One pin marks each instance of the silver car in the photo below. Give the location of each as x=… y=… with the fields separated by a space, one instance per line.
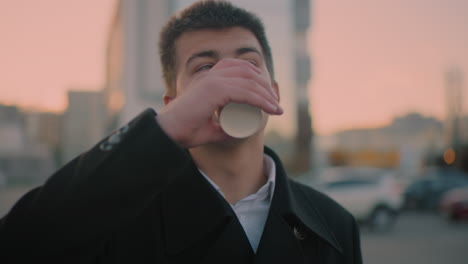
x=372 y=195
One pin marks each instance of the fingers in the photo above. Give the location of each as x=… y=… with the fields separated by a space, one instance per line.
x=244 y=69
x=243 y=82
x=228 y=62
x=246 y=73
x=247 y=91
x=230 y=80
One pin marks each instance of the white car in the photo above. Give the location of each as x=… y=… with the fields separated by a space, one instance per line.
x=373 y=196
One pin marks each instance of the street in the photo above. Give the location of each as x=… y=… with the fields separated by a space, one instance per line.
x=418 y=238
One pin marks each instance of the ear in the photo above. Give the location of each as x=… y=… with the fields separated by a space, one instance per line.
x=275 y=86
x=167 y=98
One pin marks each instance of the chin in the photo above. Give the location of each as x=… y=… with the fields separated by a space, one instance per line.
x=233 y=142
x=236 y=142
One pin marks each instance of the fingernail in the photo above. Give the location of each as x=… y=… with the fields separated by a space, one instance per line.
x=272 y=107
x=280 y=110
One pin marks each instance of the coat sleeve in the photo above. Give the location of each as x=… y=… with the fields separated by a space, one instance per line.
x=96 y=192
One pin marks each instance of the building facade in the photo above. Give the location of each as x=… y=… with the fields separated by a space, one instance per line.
x=26 y=152
x=84 y=122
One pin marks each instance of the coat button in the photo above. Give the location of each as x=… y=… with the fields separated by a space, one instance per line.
x=105 y=146
x=299 y=235
x=115 y=138
x=124 y=129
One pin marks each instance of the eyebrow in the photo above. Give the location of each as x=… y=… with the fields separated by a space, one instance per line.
x=203 y=54
x=215 y=55
x=244 y=50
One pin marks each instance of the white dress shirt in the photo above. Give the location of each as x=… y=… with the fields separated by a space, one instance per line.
x=252 y=211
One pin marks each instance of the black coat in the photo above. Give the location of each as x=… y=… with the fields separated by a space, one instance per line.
x=137 y=197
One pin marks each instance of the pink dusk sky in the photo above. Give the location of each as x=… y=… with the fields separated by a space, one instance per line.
x=372 y=59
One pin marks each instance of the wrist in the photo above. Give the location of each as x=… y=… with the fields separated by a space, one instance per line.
x=170 y=128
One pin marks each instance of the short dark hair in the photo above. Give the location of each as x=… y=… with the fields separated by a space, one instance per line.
x=207 y=15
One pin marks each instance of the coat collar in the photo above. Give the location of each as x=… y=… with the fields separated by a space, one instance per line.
x=193 y=209
x=294 y=205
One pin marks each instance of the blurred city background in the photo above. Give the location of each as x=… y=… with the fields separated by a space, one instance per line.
x=374 y=94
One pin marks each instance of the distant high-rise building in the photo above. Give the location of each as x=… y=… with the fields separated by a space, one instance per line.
x=304 y=148
x=44 y=129
x=84 y=122
x=454 y=100
x=134 y=79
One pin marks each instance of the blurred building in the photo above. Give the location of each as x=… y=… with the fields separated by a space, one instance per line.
x=134 y=72
x=44 y=130
x=304 y=148
x=12 y=134
x=134 y=79
x=85 y=122
x=402 y=144
x=24 y=158
x=464 y=125
x=454 y=132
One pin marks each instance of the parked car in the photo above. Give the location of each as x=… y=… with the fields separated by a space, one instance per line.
x=454 y=204
x=426 y=193
x=373 y=196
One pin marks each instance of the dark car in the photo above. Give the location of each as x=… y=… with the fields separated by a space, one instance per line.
x=427 y=192
x=454 y=204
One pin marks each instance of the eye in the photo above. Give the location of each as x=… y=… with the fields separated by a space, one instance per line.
x=253 y=62
x=251 y=59
x=204 y=67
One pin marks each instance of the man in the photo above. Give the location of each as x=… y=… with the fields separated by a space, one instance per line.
x=173 y=187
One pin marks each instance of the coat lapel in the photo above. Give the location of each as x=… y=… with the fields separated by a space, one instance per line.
x=278 y=244
x=232 y=246
x=292 y=220
x=199 y=225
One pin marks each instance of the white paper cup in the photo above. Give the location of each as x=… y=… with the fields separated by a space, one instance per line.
x=240 y=120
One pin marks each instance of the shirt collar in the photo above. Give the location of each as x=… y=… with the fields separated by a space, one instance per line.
x=267 y=190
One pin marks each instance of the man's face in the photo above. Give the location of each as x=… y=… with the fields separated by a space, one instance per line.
x=200 y=50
